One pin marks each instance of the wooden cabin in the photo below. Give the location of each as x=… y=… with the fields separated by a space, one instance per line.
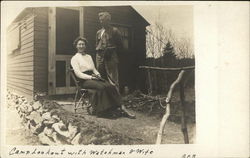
x=39 y=46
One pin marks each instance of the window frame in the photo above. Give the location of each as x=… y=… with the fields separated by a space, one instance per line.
x=129 y=37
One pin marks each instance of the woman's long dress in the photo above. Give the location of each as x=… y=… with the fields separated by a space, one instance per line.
x=105 y=97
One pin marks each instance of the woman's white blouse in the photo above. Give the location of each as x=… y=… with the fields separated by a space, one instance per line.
x=81 y=63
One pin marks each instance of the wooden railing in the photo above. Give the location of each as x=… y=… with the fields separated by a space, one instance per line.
x=181 y=81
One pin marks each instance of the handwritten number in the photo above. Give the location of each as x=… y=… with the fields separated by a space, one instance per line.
x=188 y=156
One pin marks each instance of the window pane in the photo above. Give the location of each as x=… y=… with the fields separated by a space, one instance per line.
x=126 y=32
x=67 y=29
x=60 y=73
x=72 y=83
x=125 y=43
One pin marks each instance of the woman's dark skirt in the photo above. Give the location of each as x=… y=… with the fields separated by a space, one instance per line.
x=105 y=96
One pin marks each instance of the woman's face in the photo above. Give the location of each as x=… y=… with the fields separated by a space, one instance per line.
x=81 y=46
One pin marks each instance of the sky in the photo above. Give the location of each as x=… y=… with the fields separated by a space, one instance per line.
x=178 y=18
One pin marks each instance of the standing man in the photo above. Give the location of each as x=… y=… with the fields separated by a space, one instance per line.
x=108 y=45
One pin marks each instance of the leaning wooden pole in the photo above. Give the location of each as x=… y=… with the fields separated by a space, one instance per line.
x=183 y=113
x=167 y=113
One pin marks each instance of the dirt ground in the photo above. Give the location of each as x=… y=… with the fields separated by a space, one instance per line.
x=16 y=133
x=144 y=128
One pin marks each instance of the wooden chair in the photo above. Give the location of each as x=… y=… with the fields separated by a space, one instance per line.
x=83 y=102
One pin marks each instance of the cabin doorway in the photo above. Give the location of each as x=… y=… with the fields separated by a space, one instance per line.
x=65 y=25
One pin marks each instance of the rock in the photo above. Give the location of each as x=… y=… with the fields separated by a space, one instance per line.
x=31 y=103
x=45 y=110
x=93 y=140
x=29 y=109
x=19 y=101
x=50 y=122
x=21 y=108
x=60 y=140
x=36 y=105
x=56 y=117
x=40 y=110
x=35 y=116
x=46 y=116
x=25 y=102
x=36 y=129
x=76 y=139
x=59 y=128
x=46 y=140
x=48 y=132
x=72 y=131
x=106 y=137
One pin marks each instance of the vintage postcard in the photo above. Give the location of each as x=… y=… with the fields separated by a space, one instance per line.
x=124 y=79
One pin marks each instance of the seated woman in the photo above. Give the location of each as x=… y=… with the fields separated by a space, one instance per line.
x=106 y=100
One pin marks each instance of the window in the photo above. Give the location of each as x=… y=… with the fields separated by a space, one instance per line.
x=125 y=36
x=14 y=39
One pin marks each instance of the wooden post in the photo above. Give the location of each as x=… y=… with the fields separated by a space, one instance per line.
x=52 y=51
x=81 y=21
x=168 y=100
x=149 y=82
x=183 y=112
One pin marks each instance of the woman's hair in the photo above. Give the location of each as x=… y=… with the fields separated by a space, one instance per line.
x=80 y=39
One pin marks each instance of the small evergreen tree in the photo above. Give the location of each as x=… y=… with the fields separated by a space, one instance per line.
x=169 y=55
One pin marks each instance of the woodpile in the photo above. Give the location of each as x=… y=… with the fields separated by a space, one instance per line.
x=55 y=126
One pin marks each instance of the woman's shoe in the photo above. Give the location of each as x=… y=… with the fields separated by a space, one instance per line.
x=125 y=113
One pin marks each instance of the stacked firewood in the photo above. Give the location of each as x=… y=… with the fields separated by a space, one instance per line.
x=150 y=105
x=144 y=103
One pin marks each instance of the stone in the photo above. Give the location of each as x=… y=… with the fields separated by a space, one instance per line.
x=49 y=122
x=37 y=129
x=48 y=132
x=21 y=108
x=46 y=140
x=56 y=117
x=76 y=139
x=35 y=116
x=40 y=110
x=36 y=105
x=72 y=131
x=19 y=101
x=29 y=109
x=59 y=128
x=93 y=140
x=46 y=116
x=60 y=140
x=45 y=110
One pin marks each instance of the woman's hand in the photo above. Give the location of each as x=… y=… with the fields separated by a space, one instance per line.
x=94 y=78
x=98 y=75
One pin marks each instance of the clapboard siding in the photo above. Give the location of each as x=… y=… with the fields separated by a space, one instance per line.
x=22 y=73
x=41 y=50
x=20 y=65
x=19 y=77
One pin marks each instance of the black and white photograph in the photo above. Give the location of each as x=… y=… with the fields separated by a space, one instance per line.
x=93 y=75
